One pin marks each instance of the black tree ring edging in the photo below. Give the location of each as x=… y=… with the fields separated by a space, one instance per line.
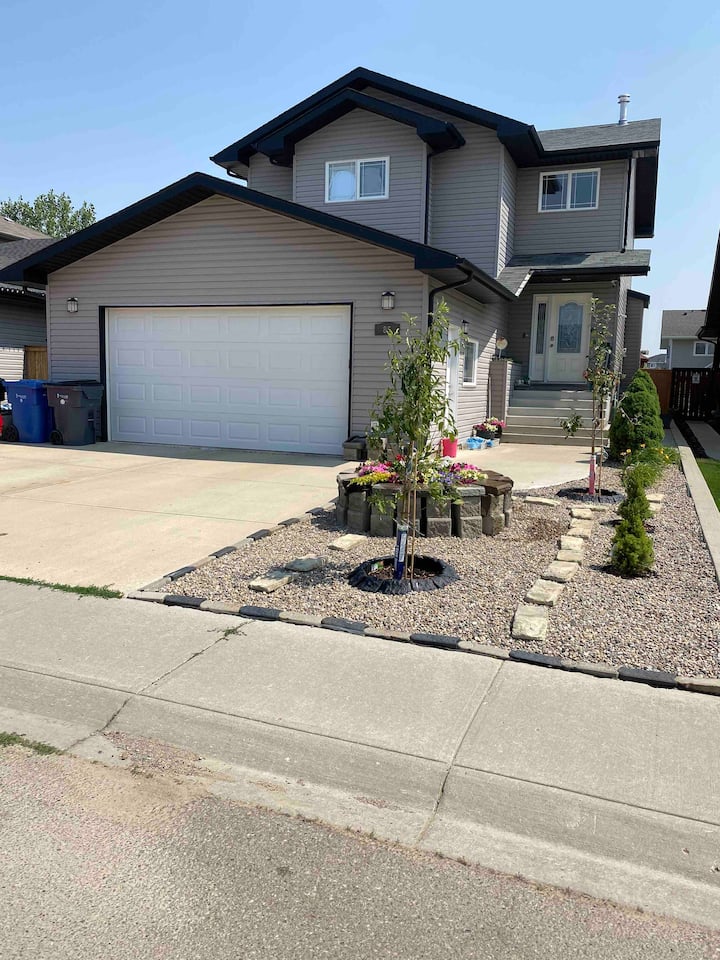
x=437 y=574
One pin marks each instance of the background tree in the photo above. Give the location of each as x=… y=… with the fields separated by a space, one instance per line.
x=52 y=213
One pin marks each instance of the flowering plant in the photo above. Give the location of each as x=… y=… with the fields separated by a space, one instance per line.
x=442 y=472
x=490 y=425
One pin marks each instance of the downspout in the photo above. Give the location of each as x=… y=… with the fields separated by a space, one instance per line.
x=627 y=205
x=447 y=286
x=426 y=226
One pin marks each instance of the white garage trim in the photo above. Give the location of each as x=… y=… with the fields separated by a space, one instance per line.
x=246 y=377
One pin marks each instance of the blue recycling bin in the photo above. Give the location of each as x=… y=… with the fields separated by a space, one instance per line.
x=32 y=418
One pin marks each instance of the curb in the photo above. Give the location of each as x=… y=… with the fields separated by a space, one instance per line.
x=705 y=508
x=653 y=678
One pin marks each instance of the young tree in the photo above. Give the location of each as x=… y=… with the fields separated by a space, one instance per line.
x=415 y=409
x=601 y=376
x=52 y=213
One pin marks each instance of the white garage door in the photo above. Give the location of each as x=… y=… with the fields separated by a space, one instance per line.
x=258 y=378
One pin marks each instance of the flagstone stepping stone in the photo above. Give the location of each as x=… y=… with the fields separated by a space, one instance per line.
x=582 y=513
x=543 y=501
x=598 y=507
x=305 y=564
x=655 y=507
x=272 y=581
x=655 y=497
x=545 y=592
x=347 y=542
x=570 y=556
x=530 y=622
x=572 y=543
x=560 y=571
x=581 y=528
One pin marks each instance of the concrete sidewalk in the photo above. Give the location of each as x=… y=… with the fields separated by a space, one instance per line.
x=605 y=787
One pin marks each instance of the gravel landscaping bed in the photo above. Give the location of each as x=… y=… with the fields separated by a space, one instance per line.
x=495 y=573
x=669 y=620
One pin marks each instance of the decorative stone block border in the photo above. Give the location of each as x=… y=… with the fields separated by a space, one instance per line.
x=482 y=510
x=653 y=678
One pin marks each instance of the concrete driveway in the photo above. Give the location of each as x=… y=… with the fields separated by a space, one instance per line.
x=121 y=514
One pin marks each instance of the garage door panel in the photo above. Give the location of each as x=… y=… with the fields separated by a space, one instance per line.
x=262 y=378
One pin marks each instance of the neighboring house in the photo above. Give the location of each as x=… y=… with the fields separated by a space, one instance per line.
x=253 y=316
x=22 y=307
x=657 y=362
x=680 y=335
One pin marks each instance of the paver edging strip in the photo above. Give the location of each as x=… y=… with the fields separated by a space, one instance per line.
x=418 y=638
x=705 y=508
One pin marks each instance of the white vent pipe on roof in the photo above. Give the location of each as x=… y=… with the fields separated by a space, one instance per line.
x=623 y=100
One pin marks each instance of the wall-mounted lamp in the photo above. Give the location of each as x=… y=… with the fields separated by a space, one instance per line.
x=465 y=326
x=387 y=300
x=72 y=305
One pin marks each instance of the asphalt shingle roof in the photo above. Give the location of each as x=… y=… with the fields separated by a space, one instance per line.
x=520 y=269
x=9 y=229
x=14 y=250
x=682 y=323
x=603 y=135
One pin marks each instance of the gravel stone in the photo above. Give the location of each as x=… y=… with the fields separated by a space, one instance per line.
x=669 y=620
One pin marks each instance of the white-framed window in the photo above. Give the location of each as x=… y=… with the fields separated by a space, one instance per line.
x=348 y=180
x=701 y=348
x=568 y=190
x=470 y=358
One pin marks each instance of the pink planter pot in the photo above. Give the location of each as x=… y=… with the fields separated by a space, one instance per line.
x=449 y=448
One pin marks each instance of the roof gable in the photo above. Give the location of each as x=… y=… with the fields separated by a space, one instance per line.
x=681 y=324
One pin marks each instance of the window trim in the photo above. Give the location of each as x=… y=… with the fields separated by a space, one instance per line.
x=706 y=352
x=570 y=173
x=473 y=381
x=358 y=198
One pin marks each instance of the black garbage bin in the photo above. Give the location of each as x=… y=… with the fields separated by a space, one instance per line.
x=76 y=407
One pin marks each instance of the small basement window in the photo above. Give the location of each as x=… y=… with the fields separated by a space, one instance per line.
x=702 y=348
x=348 y=180
x=470 y=358
x=569 y=190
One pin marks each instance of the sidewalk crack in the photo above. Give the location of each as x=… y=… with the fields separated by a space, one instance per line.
x=461 y=739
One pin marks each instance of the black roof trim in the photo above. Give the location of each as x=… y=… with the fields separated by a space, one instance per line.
x=200 y=186
x=359 y=79
x=711 y=327
x=578 y=273
x=636 y=295
x=280 y=145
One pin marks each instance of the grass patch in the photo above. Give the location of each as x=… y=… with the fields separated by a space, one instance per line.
x=710 y=469
x=17 y=740
x=103 y=592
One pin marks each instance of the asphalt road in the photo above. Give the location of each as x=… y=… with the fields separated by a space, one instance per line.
x=144 y=863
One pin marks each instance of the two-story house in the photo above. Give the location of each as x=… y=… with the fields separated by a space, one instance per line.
x=254 y=316
x=22 y=308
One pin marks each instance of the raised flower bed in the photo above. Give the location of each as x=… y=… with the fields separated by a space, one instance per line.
x=456 y=500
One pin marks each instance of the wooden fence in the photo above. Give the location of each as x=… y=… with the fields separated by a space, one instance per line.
x=663 y=384
x=694 y=393
x=36 y=363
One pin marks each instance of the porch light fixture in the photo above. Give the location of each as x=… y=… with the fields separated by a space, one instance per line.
x=72 y=305
x=465 y=327
x=387 y=300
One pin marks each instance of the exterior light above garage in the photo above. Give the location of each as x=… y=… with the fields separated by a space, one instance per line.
x=387 y=300
x=72 y=305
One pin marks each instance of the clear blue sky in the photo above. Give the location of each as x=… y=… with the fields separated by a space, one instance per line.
x=110 y=102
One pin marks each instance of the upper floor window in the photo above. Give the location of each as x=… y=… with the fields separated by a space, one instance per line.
x=347 y=180
x=569 y=190
x=702 y=348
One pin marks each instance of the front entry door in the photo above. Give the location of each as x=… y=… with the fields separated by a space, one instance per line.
x=568 y=338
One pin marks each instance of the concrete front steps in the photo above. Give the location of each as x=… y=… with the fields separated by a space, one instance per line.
x=534 y=416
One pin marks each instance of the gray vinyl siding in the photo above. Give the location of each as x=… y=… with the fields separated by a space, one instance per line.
x=362 y=135
x=630 y=241
x=507 y=198
x=520 y=322
x=269 y=178
x=464 y=189
x=680 y=354
x=22 y=323
x=621 y=323
x=571 y=230
x=633 y=338
x=486 y=322
x=221 y=252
